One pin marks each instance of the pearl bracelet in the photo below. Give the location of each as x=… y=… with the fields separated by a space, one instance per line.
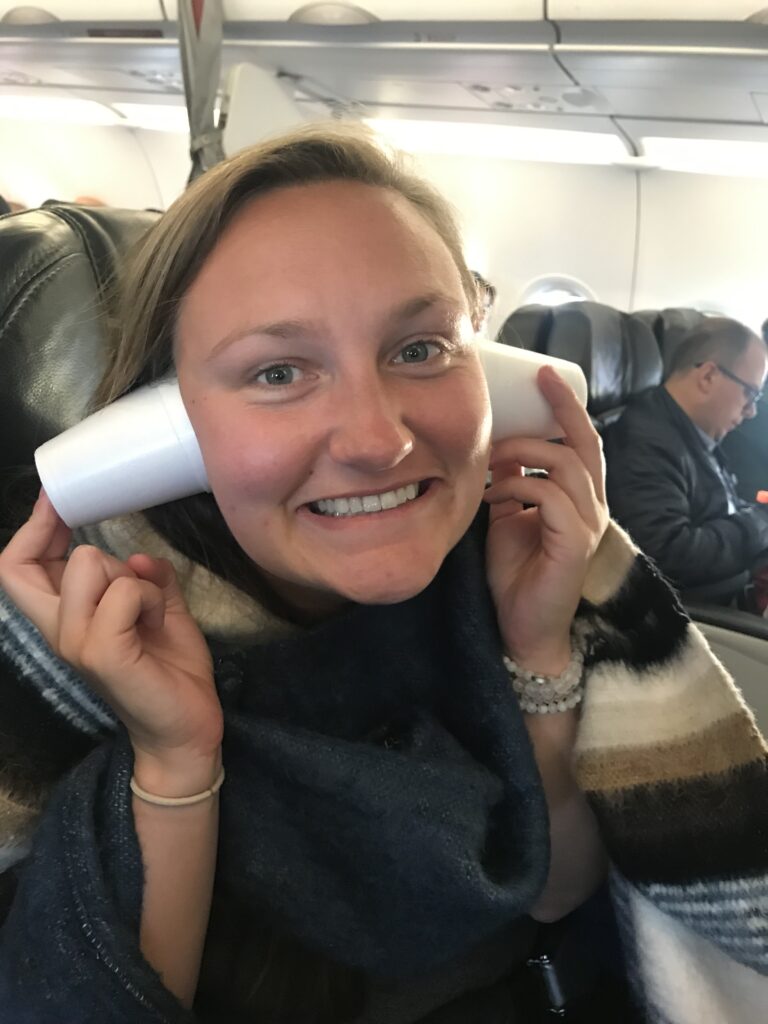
x=544 y=695
x=177 y=801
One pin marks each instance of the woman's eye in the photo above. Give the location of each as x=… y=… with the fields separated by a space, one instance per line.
x=418 y=352
x=279 y=375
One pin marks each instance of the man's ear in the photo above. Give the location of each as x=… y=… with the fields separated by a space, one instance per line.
x=705 y=376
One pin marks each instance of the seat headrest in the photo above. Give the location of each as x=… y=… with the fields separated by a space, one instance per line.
x=672 y=328
x=618 y=354
x=527 y=327
x=57 y=264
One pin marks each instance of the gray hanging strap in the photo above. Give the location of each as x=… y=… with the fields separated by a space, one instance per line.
x=200 y=39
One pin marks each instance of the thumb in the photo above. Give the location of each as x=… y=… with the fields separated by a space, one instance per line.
x=160 y=572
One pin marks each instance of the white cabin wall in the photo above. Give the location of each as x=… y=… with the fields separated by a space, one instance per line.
x=45 y=160
x=525 y=220
x=703 y=243
x=168 y=155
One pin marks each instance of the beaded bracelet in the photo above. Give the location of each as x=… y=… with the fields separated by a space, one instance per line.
x=544 y=695
x=177 y=801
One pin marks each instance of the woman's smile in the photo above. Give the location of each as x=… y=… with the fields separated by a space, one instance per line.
x=356 y=505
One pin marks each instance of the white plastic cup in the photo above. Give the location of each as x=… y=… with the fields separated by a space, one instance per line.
x=138 y=452
x=519 y=408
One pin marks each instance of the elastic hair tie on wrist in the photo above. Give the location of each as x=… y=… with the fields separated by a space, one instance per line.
x=177 y=801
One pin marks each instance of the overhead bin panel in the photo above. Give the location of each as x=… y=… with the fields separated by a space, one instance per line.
x=508 y=98
x=676 y=72
x=88 y=10
x=359 y=75
x=387 y=10
x=440 y=52
x=653 y=10
x=31 y=74
x=638 y=36
x=701 y=102
x=701 y=85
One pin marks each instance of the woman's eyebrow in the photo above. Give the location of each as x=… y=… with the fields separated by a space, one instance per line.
x=412 y=307
x=296 y=328
x=276 y=329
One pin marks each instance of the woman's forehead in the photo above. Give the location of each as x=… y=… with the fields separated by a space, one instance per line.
x=329 y=216
x=320 y=243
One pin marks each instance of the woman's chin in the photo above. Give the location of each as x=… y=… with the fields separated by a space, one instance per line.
x=392 y=590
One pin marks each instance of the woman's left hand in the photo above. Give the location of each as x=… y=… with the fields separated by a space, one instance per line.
x=537 y=557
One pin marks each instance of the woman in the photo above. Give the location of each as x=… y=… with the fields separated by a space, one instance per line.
x=392 y=823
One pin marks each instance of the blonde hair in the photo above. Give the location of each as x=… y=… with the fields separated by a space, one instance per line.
x=174 y=250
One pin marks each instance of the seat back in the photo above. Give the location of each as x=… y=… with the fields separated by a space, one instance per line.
x=527 y=327
x=672 y=326
x=618 y=354
x=57 y=263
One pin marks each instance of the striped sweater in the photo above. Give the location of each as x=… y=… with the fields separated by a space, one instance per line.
x=667 y=752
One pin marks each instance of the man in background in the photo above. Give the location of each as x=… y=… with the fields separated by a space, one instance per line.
x=667 y=481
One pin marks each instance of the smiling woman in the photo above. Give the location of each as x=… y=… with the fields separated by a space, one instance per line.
x=349 y=385
x=401 y=671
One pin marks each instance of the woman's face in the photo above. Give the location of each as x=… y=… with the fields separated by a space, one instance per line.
x=326 y=359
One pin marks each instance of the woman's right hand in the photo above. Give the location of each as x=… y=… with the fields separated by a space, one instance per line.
x=126 y=628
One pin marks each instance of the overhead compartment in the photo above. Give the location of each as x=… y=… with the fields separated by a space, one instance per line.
x=87 y=10
x=653 y=10
x=384 y=10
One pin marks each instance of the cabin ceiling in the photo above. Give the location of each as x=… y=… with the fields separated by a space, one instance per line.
x=695 y=69
x=416 y=10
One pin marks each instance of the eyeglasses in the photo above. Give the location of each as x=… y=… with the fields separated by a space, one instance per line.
x=752 y=394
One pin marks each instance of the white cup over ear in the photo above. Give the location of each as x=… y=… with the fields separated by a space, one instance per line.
x=518 y=406
x=138 y=452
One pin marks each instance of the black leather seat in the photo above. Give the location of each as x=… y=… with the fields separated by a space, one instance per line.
x=527 y=327
x=58 y=264
x=670 y=327
x=619 y=355
x=617 y=352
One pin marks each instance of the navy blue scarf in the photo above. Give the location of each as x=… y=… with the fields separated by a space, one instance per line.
x=382 y=805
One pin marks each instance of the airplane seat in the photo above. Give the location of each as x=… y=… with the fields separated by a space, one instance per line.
x=527 y=327
x=618 y=354
x=649 y=317
x=672 y=327
x=58 y=263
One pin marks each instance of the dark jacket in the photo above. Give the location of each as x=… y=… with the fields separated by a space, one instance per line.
x=664 y=487
x=746 y=449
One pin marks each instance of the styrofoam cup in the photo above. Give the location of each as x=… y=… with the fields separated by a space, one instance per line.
x=138 y=452
x=519 y=408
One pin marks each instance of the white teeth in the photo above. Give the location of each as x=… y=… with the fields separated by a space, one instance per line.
x=368 y=503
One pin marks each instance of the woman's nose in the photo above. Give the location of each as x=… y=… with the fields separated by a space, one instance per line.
x=369 y=433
